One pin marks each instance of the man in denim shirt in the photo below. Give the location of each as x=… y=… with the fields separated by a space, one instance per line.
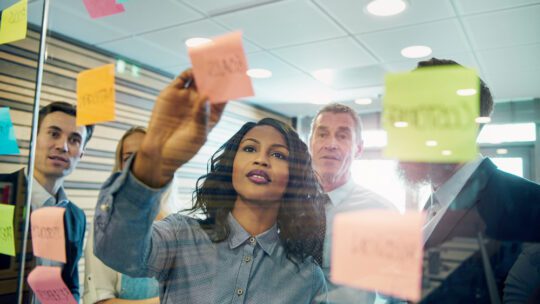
x=59 y=147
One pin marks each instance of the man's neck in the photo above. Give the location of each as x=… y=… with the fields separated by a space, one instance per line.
x=330 y=184
x=51 y=185
x=443 y=173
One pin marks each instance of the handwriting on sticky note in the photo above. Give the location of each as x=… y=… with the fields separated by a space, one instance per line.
x=96 y=95
x=102 y=8
x=7 y=240
x=14 y=22
x=378 y=250
x=220 y=68
x=7 y=134
x=428 y=118
x=48 y=236
x=47 y=284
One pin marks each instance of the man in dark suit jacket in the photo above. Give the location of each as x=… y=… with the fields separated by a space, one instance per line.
x=482 y=239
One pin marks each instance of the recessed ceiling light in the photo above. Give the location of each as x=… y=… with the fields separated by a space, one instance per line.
x=197 y=41
x=401 y=124
x=325 y=75
x=466 y=92
x=431 y=143
x=416 y=51
x=482 y=119
x=386 y=8
x=502 y=151
x=120 y=66
x=259 y=73
x=363 y=101
x=446 y=152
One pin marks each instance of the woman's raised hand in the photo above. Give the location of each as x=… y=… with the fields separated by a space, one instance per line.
x=178 y=128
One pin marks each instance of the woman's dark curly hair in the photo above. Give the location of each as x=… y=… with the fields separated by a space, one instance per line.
x=301 y=217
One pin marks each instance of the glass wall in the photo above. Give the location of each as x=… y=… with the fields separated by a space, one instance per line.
x=138 y=181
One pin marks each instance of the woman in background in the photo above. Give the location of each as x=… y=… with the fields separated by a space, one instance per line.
x=102 y=284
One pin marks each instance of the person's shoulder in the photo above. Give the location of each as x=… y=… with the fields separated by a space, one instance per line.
x=375 y=200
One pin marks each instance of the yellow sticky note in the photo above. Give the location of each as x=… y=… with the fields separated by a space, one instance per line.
x=7 y=241
x=14 y=21
x=429 y=114
x=96 y=95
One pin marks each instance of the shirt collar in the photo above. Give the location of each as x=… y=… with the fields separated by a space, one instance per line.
x=341 y=193
x=41 y=197
x=449 y=190
x=238 y=236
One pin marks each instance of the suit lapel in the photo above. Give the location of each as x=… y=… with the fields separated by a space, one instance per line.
x=462 y=208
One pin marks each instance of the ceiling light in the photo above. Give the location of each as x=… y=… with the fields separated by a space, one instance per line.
x=483 y=119
x=466 y=92
x=401 y=124
x=363 y=101
x=325 y=76
x=386 y=8
x=431 y=143
x=502 y=151
x=197 y=41
x=446 y=152
x=416 y=51
x=259 y=73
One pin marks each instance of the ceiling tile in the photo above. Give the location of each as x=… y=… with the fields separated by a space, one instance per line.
x=174 y=38
x=283 y=23
x=506 y=28
x=478 y=6
x=143 y=16
x=514 y=86
x=441 y=36
x=352 y=14
x=145 y=51
x=75 y=25
x=524 y=58
x=264 y=60
x=338 y=53
x=359 y=77
x=212 y=7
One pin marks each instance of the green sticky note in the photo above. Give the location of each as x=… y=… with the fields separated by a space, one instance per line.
x=429 y=114
x=7 y=134
x=14 y=22
x=7 y=241
x=121 y=1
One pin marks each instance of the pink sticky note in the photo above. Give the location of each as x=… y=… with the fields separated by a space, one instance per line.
x=48 y=286
x=102 y=8
x=378 y=250
x=220 y=68
x=48 y=239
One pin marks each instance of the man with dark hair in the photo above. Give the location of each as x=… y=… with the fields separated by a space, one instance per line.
x=60 y=144
x=335 y=141
x=480 y=221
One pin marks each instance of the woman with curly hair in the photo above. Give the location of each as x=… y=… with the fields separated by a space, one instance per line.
x=262 y=202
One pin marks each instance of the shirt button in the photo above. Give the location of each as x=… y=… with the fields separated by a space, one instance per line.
x=239 y=291
x=247 y=259
x=252 y=240
x=104 y=207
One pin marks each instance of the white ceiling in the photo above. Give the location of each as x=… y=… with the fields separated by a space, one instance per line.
x=292 y=38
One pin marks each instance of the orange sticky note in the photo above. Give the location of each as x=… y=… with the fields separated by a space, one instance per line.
x=96 y=95
x=48 y=286
x=378 y=250
x=220 y=68
x=48 y=237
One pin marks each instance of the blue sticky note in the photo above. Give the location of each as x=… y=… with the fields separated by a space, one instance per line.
x=7 y=134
